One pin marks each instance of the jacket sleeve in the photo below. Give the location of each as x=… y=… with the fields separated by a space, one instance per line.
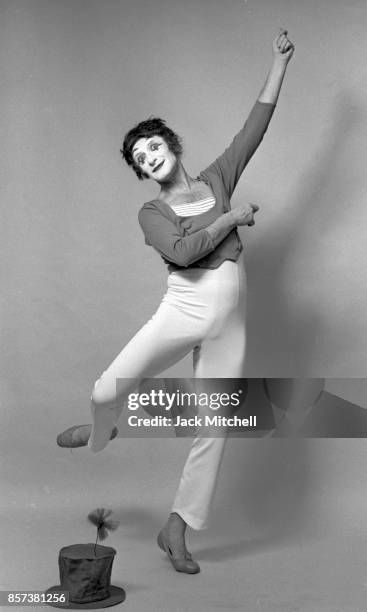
x=230 y=165
x=162 y=234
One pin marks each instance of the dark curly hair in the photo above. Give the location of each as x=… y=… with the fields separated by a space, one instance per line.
x=154 y=126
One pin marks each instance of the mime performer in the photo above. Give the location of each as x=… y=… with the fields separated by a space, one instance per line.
x=190 y=223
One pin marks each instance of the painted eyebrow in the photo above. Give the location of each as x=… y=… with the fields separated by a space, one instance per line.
x=149 y=140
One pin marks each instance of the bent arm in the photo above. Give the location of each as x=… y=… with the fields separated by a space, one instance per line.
x=163 y=235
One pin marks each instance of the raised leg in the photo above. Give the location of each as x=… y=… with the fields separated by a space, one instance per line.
x=163 y=341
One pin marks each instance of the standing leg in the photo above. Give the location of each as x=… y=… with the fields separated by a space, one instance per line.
x=199 y=477
x=221 y=355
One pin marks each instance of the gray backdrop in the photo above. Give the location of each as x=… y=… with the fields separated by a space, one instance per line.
x=77 y=279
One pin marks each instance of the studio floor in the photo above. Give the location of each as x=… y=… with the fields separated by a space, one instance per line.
x=288 y=530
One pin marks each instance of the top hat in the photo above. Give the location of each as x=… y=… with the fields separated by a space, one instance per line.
x=85 y=573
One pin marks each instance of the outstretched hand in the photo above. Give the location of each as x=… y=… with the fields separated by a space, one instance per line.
x=283 y=48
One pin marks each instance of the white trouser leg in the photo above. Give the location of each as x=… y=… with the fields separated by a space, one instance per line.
x=165 y=339
x=220 y=357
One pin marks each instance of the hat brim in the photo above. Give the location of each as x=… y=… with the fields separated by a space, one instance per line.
x=117 y=595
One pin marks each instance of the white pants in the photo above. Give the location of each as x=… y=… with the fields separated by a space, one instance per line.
x=203 y=311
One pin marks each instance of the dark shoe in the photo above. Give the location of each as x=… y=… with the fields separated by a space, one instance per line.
x=72 y=438
x=184 y=564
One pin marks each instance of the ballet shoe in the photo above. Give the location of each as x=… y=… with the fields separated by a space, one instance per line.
x=184 y=564
x=68 y=439
x=160 y=544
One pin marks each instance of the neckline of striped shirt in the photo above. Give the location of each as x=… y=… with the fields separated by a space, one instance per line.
x=193 y=208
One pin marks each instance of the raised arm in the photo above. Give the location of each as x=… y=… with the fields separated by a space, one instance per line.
x=235 y=158
x=283 y=50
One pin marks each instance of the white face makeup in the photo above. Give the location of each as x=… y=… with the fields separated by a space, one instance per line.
x=154 y=158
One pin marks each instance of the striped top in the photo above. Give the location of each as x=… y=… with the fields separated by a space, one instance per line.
x=191 y=209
